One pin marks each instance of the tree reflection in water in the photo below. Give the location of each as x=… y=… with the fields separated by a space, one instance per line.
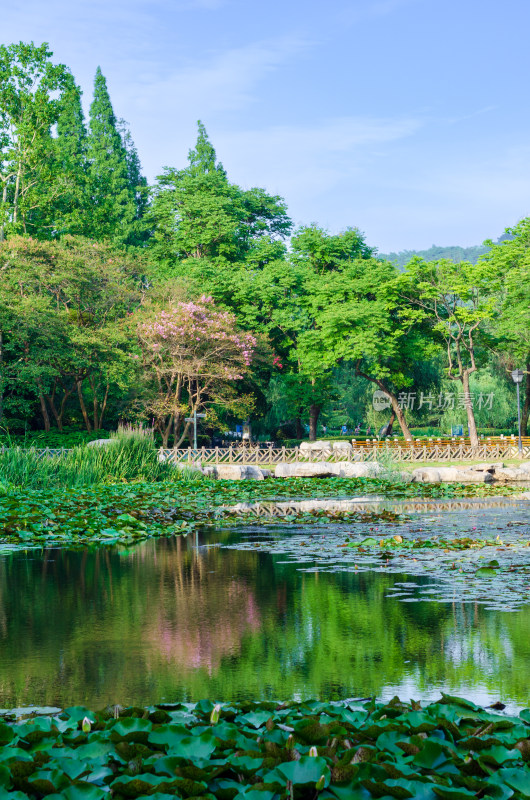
x=168 y=620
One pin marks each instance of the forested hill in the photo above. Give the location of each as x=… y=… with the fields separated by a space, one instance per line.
x=454 y=253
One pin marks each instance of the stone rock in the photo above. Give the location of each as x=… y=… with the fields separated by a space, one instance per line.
x=450 y=475
x=318 y=449
x=238 y=472
x=512 y=474
x=309 y=469
x=487 y=467
x=342 y=448
x=362 y=469
x=320 y=444
x=325 y=469
x=525 y=466
x=100 y=442
x=426 y=475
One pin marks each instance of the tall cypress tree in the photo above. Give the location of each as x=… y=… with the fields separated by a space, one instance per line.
x=71 y=156
x=137 y=184
x=113 y=207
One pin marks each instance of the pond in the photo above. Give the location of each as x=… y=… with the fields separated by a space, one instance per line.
x=234 y=613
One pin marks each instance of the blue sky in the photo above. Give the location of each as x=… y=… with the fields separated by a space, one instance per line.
x=408 y=119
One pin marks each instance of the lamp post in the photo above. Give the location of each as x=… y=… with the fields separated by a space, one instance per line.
x=517 y=378
x=194 y=420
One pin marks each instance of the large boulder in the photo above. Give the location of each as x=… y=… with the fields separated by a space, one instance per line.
x=450 y=475
x=234 y=472
x=309 y=469
x=100 y=442
x=320 y=448
x=508 y=474
x=525 y=466
x=342 y=449
x=426 y=475
x=325 y=469
x=361 y=469
x=487 y=467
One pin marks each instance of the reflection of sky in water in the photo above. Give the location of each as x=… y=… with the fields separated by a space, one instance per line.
x=497 y=530
x=215 y=616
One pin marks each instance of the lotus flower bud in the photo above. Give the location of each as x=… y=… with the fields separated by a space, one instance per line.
x=319 y=785
x=289 y=744
x=214 y=716
x=313 y=751
x=86 y=725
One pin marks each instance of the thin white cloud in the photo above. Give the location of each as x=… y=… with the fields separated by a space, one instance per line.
x=222 y=81
x=309 y=160
x=361 y=10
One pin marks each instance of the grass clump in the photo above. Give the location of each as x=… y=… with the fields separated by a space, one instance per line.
x=126 y=459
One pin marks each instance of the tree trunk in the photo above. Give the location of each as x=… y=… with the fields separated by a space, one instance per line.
x=58 y=414
x=471 y=424
x=79 y=384
x=165 y=430
x=45 y=415
x=397 y=411
x=299 y=432
x=4 y=201
x=184 y=434
x=103 y=407
x=95 y=408
x=390 y=424
x=314 y=413
x=526 y=406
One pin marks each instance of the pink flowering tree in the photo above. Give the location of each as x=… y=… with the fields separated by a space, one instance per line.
x=193 y=356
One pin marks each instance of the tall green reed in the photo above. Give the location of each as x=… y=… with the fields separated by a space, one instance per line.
x=127 y=458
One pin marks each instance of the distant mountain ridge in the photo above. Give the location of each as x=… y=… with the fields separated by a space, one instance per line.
x=455 y=253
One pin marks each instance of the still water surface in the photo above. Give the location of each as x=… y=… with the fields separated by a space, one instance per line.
x=184 y=618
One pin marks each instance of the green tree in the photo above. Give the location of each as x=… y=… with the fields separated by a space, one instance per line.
x=138 y=185
x=457 y=301
x=508 y=268
x=114 y=209
x=32 y=95
x=351 y=315
x=63 y=311
x=359 y=318
x=204 y=225
x=72 y=205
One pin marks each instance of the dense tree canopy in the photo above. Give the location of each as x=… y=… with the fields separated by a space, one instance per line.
x=102 y=279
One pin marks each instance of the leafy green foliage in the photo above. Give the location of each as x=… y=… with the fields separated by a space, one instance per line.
x=32 y=173
x=202 y=222
x=269 y=751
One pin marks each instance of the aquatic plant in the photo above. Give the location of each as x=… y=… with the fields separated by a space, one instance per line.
x=450 y=750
